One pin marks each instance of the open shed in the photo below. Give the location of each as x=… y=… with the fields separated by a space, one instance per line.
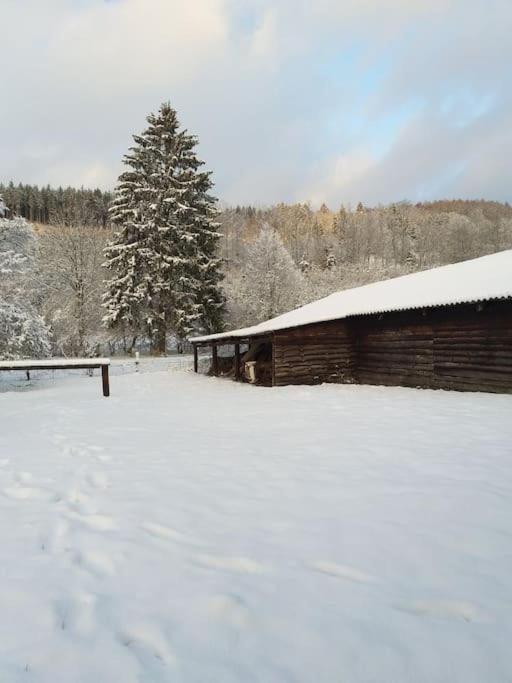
x=445 y=328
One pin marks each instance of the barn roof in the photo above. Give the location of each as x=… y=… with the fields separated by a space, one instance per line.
x=480 y=279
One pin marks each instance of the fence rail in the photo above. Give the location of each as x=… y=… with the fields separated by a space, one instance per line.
x=17 y=380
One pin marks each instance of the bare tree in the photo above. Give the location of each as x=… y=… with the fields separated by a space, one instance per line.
x=71 y=276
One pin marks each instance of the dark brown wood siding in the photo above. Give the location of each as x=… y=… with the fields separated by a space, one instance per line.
x=466 y=347
x=393 y=353
x=474 y=352
x=313 y=354
x=459 y=347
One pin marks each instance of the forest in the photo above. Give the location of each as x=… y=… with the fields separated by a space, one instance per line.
x=272 y=259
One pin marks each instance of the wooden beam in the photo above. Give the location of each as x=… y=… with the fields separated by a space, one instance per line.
x=215 y=358
x=104 y=380
x=237 y=362
x=195 y=359
x=79 y=364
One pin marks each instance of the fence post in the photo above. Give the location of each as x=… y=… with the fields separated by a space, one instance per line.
x=237 y=362
x=215 y=360
x=104 y=380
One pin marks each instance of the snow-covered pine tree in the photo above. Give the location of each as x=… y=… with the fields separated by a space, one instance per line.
x=165 y=272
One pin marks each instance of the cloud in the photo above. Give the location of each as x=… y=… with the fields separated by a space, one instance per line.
x=292 y=100
x=133 y=44
x=433 y=156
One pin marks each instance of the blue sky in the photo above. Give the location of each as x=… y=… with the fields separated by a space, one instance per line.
x=338 y=100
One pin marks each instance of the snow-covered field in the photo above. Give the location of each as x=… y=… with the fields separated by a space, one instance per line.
x=191 y=529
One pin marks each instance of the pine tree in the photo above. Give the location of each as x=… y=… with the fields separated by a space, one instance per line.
x=165 y=273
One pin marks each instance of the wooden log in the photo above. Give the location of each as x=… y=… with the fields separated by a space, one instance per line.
x=320 y=362
x=316 y=351
x=468 y=384
x=496 y=359
x=474 y=370
x=479 y=333
x=470 y=346
x=196 y=359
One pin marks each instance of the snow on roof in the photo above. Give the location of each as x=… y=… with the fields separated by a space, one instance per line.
x=480 y=279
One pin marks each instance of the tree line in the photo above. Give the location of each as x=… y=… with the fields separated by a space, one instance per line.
x=158 y=260
x=47 y=205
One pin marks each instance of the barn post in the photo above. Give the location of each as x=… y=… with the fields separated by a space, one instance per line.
x=215 y=358
x=237 y=362
x=104 y=380
x=195 y=358
x=273 y=358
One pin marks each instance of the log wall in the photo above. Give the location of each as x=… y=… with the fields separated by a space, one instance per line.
x=474 y=353
x=466 y=347
x=313 y=354
x=393 y=353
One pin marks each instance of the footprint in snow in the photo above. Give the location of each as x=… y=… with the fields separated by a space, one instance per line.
x=444 y=609
x=94 y=522
x=81 y=502
x=148 y=645
x=95 y=563
x=229 y=609
x=342 y=571
x=55 y=542
x=29 y=493
x=241 y=565
x=164 y=532
x=76 y=614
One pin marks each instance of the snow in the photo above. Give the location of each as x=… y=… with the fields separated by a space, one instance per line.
x=193 y=529
x=481 y=279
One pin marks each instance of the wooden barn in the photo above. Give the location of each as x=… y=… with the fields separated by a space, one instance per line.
x=444 y=328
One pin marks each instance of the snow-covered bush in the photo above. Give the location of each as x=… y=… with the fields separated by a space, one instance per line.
x=22 y=330
x=22 y=333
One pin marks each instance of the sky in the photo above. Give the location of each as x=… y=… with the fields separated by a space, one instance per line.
x=334 y=101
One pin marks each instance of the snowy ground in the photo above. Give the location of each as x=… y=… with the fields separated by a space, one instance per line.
x=191 y=529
